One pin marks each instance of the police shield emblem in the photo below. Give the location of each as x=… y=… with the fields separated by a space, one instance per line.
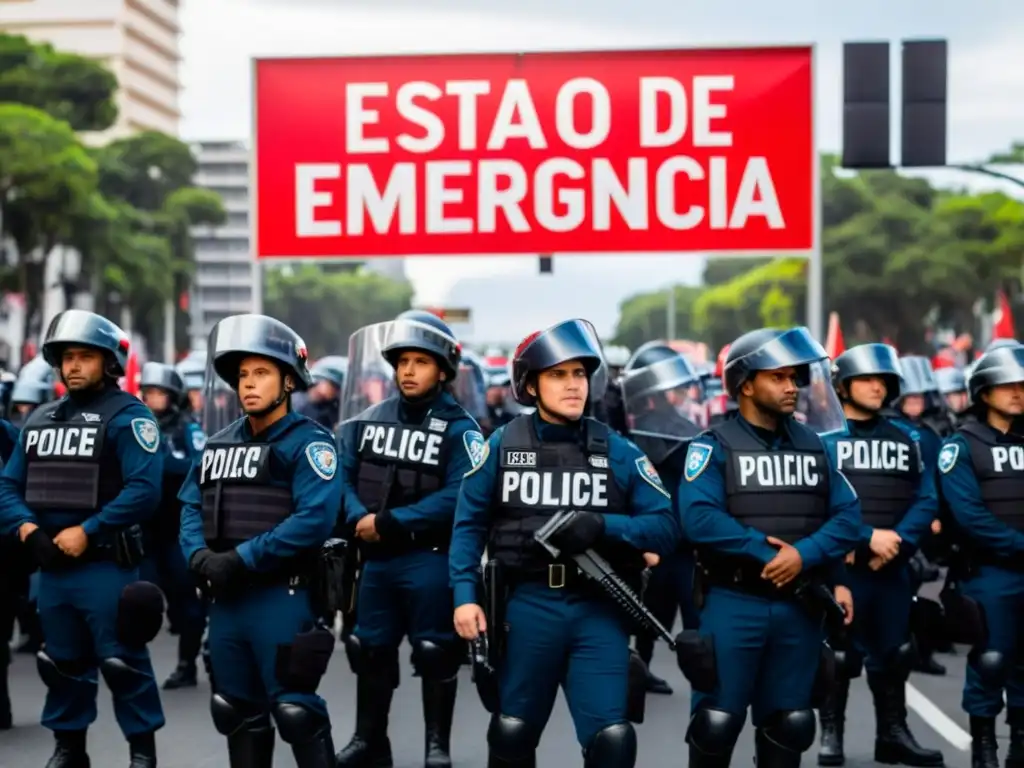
x=697 y=458
x=948 y=456
x=647 y=471
x=322 y=459
x=474 y=442
x=198 y=440
x=146 y=434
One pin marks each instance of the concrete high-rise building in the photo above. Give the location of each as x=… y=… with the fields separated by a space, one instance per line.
x=137 y=39
x=227 y=277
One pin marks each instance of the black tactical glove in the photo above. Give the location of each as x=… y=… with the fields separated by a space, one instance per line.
x=199 y=559
x=44 y=551
x=224 y=572
x=582 y=533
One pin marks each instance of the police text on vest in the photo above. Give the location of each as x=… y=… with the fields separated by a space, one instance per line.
x=555 y=489
x=77 y=442
x=237 y=462
x=883 y=455
x=779 y=470
x=410 y=445
x=1008 y=454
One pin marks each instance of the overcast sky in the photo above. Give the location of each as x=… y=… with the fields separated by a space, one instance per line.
x=222 y=36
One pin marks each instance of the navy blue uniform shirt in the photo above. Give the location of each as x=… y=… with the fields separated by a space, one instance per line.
x=305 y=462
x=651 y=525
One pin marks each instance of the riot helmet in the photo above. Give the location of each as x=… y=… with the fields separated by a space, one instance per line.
x=417 y=329
x=331 y=369
x=1003 y=365
x=165 y=378
x=661 y=397
x=79 y=328
x=879 y=360
x=193 y=370
x=770 y=349
x=951 y=381
x=918 y=379
x=470 y=388
x=240 y=336
x=561 y=343
x=30 y=393
x=369 y=380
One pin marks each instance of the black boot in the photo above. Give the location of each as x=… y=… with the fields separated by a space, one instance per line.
x=894 y=743
x=70 y=750
x=653 y=683
x=927 y=665
x=768 y=754
x=1015 y=755
x=438 y=709
x=185 y=675
x=190 y=643
x=493 y=761
x=370 y=746
x=143 y=751
x=984 y=747
x=251 y=748
x=308 y=732
x=6 y=717
x=700 y=759
x=833 y=725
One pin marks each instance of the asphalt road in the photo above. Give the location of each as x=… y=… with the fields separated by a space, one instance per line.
x=189 y=740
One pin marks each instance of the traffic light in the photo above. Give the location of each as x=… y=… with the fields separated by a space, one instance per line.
x=546 y=265
x=866 y=105
x=925 y=64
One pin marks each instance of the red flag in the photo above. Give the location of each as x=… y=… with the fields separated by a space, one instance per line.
x=835 y=345
x=132 y=373
x=1002 y=318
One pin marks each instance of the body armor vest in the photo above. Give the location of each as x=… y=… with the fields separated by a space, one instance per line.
x=399 y=464
x=780 y=492
x=168 y=520
x=239 y=499
x=999 y=467
x=538 y=479
x=68 y=464
x=885 y=471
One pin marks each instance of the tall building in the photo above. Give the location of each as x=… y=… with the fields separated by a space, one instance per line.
x=137 y=39
x=227 y=279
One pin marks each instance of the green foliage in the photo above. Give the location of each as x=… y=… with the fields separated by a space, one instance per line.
x=899 y=256
x=325 y=308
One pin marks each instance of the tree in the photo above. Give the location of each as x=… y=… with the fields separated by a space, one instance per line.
x=900 y=256
x=644 y=317
x=325 y=308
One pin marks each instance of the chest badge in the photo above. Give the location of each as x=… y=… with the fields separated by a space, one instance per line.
x=697 y=458
x=948 y=456
x=146 y=434
x=322 y=459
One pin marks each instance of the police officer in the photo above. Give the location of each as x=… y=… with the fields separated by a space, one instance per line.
x=163 y=390
x=981 y=477
x=919 y=403
x=26 y=396
x=953 y=388
x=769 y=513
x=256 y=510
x=881 y=459
x=404 y=459
x=193 y=372
x=13 y=586
x=657 y=388
x=84 y=476
x=557 y=630
x=322 y=399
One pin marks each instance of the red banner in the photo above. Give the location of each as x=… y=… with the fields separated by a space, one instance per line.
x=636 y=151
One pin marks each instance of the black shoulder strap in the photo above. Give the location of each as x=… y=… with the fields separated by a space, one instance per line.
x=733 y=436
x=803 y=437
x=518 y=434
x=597 y=437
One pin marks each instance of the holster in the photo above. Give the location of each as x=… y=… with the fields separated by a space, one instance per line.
x=964 y=616
x=128 y=547
x=326 y=587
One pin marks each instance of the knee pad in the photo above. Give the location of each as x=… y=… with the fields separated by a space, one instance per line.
x=298 y=724
x=122 y=678
x=992 y=667
x=61 y=674
x=434 y=661
x=791 y=729
x=511 y=739
x=714 y=731
x=372 y=662
x=231 y=716
x=140 y=614
x=900 y=660
x=613 y=745
x=849 y=664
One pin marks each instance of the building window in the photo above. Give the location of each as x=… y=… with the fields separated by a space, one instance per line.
x=238 y=220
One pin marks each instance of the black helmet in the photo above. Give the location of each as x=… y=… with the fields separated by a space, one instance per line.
x=30 y=393
x=656 y=367
x=1003 y=365
x=568 y=340
x=918 y=376
x=331 y=368
x=870 y=360
x=78 y=328
x=951 y=380
x=420 y=330
x=769 y=349
x=239 y=336
x=162 y=376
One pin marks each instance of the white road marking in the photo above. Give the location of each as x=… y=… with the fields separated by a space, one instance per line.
x=937 y=720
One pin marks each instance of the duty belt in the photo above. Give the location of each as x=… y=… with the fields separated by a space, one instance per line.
x=743 y=577
x=555 y=576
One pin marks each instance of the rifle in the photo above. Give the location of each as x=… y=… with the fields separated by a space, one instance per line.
x=599 y=570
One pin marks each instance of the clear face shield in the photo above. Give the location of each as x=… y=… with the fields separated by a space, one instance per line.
x=919 y=379
x=220 y=407
x=470 y=389
x=817 y=404
x=664 y=400
x=370 y=380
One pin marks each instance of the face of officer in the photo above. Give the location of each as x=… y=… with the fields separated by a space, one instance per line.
x=561 y=392
x=81 y=368
x=1007 y=399
x=417 y=373
x=912 y=406
x=195 y=399
x=260 y=383
x=957 y=401
x=773 y=392
x=156 y=399
x=867 y=392
x=323 y=392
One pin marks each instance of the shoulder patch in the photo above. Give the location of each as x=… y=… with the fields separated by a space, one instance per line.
x=948 y=456
x=198 y=440
x=323 y=459
x=147 y=434
x=647 y=471
x=474 y=442
x=697 y=458
x=485 y=451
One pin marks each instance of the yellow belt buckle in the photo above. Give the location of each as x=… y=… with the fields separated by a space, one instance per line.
x=556 y=575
